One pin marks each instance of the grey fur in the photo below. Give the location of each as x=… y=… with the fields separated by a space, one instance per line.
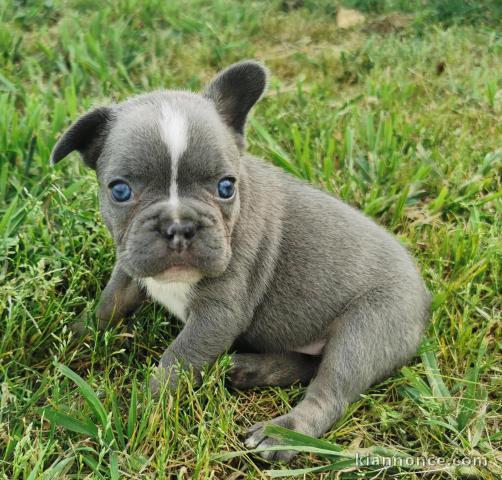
x=272 y=369
x=121 y=297
x=283 y=264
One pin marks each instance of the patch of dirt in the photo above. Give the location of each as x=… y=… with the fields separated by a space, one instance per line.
x=348 y=18
x=392 y=23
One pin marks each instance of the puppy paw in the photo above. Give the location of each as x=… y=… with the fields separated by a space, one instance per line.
x=256 y=438
x=154 y=386
x=163 y=379
x=243 y=372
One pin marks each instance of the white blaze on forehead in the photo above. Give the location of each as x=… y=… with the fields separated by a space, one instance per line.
x=174 y=132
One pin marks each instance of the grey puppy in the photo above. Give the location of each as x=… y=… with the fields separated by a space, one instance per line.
x=298 y=285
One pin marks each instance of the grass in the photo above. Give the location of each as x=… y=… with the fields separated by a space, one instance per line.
x=398 y=116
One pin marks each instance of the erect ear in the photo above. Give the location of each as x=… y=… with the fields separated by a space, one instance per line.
x=87 y=135
x=235 y=90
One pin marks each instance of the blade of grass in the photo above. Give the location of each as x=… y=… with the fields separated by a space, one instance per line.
x=58 y=469
x=439 y=389
x=114 y=466
x=473 y=394
x=90 y=397
x=40 y=461
x=131 y=419
x=117 y=421
x=86 y=390
x=295 y=438
x=341 y=465
x=70 y=423
x=278 y=154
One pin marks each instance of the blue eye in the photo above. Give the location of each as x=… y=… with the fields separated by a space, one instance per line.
x=226 y=187
x=121 y=192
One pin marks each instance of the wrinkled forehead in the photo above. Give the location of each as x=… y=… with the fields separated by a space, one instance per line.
x=166 y=131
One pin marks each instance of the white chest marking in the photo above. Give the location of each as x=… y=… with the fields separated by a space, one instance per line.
x=173 y=295
x=174 y=132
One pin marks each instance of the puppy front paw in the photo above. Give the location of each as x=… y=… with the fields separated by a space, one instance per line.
x=165 y=377
x=155 y=385
x=256 y=438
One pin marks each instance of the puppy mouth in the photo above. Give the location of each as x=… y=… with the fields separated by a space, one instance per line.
x=179 y=272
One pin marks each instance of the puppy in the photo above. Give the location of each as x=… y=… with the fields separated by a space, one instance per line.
x=298 y=285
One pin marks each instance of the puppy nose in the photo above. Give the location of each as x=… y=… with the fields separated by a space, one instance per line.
x=179 y=234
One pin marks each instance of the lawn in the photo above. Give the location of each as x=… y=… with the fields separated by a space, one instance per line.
x=398 y=115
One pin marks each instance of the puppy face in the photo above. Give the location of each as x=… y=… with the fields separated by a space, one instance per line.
x=168 y=166
x=169 y=186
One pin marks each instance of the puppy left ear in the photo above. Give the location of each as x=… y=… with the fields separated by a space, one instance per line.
x=87 y=135
x=235 y=90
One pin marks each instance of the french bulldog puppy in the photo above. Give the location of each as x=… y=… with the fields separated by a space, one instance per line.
x=297 y=284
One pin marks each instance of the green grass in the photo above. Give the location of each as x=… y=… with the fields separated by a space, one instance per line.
x=399 y=117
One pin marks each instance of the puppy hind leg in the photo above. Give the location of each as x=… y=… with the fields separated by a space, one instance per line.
x=271 y=369
x=373 y=337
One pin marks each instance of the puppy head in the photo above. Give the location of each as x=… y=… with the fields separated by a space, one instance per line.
x=168 y=167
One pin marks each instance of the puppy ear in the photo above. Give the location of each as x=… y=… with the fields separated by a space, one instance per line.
x=87 y=135
x=235 y=90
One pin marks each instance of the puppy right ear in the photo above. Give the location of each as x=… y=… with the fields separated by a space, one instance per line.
x=235 y=90
x=87 y=135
